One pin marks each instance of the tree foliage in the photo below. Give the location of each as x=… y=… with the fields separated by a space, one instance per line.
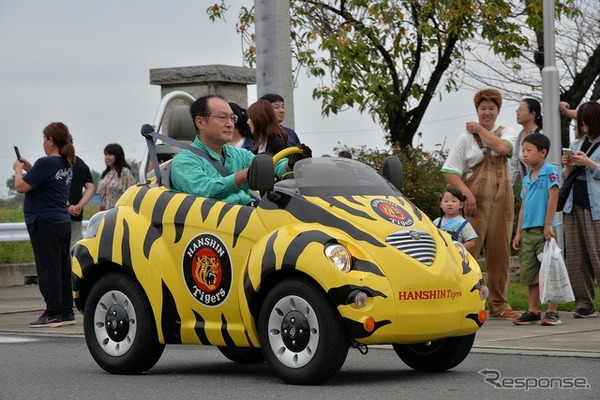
x=390 y=57
x=423 y=184
x=577 y=46
x=12 y=193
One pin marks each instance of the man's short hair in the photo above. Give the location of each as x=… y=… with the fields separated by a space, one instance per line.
x=200 y=107
x=272 y=98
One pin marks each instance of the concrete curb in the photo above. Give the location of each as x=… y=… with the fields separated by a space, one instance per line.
x=17 y=275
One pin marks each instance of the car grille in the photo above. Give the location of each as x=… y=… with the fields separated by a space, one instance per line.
x=416 y=244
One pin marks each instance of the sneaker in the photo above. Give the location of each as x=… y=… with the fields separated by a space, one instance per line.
x=585 y=313
x=551 y=319
x=527 y=318
x=68 y=319
x=47 y=321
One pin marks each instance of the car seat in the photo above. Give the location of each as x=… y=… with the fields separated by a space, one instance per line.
x=180 y=125
x=181 y=128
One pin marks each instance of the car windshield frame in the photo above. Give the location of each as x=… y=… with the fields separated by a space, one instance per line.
x=332 y=176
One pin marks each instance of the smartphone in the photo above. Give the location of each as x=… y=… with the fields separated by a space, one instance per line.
x=18 y=153
x=567 y=150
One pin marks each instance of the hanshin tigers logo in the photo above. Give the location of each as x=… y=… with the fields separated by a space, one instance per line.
x=207 y=269
x=392 y=212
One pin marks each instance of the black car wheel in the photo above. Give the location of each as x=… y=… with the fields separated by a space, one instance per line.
x=243 y=355
x=439 y=355
x=301 y=334
x=119 y=326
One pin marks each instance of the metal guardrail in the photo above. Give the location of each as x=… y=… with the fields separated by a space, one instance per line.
x=17 y=231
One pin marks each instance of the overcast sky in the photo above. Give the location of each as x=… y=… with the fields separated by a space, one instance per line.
x=87 y=64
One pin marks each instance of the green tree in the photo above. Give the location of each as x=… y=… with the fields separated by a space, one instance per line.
x=577 y=44
x=422 y=184
x=95 y=176
x=10 y=184
x=12 y=194
x=390 y=57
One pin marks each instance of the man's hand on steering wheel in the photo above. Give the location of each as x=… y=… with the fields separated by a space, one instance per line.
x=293 y=158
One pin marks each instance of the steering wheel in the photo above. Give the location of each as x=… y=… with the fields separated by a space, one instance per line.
x=286 y=152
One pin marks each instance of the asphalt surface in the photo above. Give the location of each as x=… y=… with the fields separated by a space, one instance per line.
x=19 y=305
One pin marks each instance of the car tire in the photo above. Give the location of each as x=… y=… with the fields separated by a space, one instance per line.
x=243 y=355
x=119 y=326
x=435 y=356
x=301 y=334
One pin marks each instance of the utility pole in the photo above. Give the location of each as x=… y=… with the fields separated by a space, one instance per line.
x=551 y=98
x=274 y=52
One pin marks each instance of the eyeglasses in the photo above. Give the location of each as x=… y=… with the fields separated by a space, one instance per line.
x=521 y=110
x=223 y=117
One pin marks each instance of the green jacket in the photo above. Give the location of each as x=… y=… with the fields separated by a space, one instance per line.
x=191 y=173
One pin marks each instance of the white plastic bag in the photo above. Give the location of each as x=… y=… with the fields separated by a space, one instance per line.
x=555 y=286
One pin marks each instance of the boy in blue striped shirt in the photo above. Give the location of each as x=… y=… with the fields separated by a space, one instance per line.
x=536 y=225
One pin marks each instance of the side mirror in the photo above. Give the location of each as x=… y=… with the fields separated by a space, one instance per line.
x=261 y=175
x=392 y=171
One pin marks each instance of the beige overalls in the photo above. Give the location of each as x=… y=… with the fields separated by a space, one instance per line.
x=493 y=223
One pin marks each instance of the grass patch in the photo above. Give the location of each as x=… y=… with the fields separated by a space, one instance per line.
x=22 y=252
x=16 y=253
x=517 y=298
x=11 y=215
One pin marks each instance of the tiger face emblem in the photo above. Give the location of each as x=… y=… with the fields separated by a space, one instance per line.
x=392 y=212
x=207 y=269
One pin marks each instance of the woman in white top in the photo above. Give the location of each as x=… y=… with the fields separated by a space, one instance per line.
x=529 y=116
x=478 y=166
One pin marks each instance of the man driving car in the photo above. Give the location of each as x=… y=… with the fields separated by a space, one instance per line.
x=198 y=173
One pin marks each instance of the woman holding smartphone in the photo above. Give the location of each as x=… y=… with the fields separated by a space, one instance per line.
x=582 y=209
x=46 y=187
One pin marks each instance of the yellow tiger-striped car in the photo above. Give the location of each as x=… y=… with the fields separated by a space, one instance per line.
x=331 y=259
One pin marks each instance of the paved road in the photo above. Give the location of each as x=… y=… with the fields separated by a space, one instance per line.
x=19 y=305
x=50 y=367
x=55 y=363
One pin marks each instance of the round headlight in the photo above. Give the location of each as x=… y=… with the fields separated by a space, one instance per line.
x=339 y=256
x=484 y=292
x=93 y=225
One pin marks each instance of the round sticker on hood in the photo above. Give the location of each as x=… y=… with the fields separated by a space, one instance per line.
x=392 y=212
x=207 y=269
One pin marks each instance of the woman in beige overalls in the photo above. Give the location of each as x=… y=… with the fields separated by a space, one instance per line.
x=478 y=166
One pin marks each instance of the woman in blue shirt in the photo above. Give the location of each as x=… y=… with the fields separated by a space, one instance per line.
x=46 y=186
